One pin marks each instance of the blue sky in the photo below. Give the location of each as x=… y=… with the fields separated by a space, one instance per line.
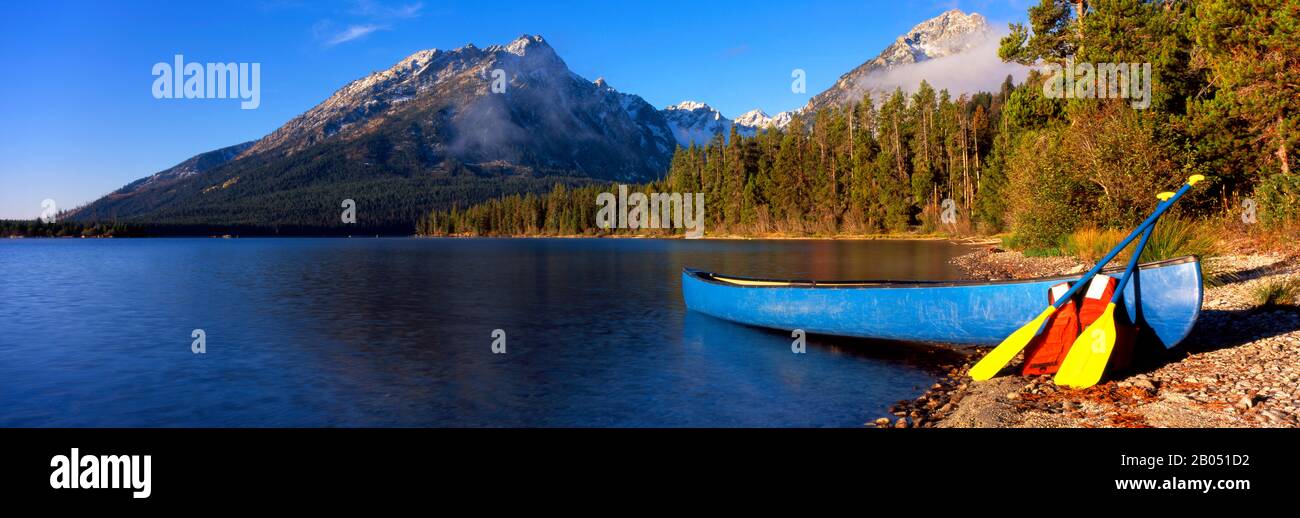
x=78 y=119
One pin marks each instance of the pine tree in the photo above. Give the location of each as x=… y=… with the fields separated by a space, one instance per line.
x=1253 y=53
x=925 y=144
x=1051 y=35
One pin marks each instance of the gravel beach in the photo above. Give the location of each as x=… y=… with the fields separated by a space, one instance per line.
x=1238 y=368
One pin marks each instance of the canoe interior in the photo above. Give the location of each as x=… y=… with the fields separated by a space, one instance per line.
x=956 y=312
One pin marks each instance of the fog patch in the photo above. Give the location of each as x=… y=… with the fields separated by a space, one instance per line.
x=977 y=69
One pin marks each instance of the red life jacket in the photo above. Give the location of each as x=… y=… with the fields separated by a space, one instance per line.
x=1045 y=352
x=1095 y=299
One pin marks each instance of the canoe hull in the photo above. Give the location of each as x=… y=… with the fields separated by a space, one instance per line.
x=973 y=313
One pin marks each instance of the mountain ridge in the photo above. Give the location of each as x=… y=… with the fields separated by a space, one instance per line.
x=436 y=120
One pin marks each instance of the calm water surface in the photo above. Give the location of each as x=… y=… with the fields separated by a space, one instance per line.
x=398 y=332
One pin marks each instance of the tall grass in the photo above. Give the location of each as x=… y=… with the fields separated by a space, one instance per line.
x=1277 y=291
x=1179 y=237
x=1173 y=237
x=1090 y=243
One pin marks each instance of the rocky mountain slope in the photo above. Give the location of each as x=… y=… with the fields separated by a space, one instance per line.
x=431 y=129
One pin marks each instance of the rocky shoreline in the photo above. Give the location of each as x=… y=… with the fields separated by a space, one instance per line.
x=1239 y=367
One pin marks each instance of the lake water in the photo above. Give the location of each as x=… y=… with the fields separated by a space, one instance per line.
x=398 y=332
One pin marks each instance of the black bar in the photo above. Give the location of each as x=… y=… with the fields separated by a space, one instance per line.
x=394 y=465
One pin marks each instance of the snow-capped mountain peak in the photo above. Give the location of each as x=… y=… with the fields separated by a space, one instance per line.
x=754 y=118
x=944 y=35
x=781 y=120
x=691 y=106
x=523 y=44
x=948 y=34
x=694 y=122
x=453 y=91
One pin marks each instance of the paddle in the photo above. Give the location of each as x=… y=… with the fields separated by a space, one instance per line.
x=1086 y=361
x=998 y=358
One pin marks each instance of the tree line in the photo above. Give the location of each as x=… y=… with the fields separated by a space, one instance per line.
x=857 y=169
x=1223 y=103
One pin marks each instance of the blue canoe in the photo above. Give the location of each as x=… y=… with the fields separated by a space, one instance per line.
x=961 y=312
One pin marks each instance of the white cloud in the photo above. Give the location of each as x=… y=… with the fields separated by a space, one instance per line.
x=353 y=32
x=370 y=16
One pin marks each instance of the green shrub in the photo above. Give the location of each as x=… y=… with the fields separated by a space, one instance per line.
x=1279 y=199
x=1011 y=242
x=1047 y=193
x=1102 y=170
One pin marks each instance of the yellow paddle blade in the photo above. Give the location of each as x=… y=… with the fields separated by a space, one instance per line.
x=1086 y=361
x=1195 y=178
x=998 y=358
x=1164 y=196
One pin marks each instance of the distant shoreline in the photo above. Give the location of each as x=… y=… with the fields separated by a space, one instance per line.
x=972 y=240
x=769 y=237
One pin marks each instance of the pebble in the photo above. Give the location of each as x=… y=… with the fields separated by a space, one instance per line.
x=1144 y=384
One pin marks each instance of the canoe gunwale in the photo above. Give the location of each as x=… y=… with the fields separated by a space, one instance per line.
x=709 y=277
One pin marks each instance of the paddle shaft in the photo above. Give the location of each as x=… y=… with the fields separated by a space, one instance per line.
x=1132 y=265
x=1160 y=210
